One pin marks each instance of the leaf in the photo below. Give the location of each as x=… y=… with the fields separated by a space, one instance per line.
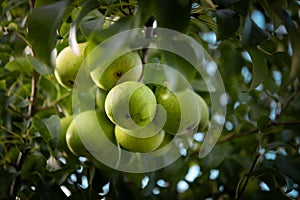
x=259 y=67
x=172 y=14
x=282 y=59
x=121 y=25
x=262 y=122
x=89 y=27
x=295 y=43
x=275 y=145
x=269 y=175
x=289 y=165
x=39 y=66
x=21 y=65
x=49 y=129
x=252 y=34
x=271 y=10
x=217 y=156
x=42 y=26
x=228 y=22
x=33 y=164
x=87 y=7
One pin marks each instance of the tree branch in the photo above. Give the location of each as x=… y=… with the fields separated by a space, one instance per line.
x=288 y=102
x=149 y=33
x=239 y=194
x=57 y=101
x=32 y=108
x=15 y=183
x=256 y=130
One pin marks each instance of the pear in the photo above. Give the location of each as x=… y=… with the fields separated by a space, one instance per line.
x=127 y=67
x=203 y=124
x=85 y=130
x=182 y=108
x=131 y=140
x=130 y=104
x=68 y=64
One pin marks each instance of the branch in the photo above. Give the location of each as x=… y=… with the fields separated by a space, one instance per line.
x=32 y=108
x=288 y=102
x=57 y=101
x=239 y=194
x=256 y=130
x=13 y=110
x=149 y=33
x=16 y=182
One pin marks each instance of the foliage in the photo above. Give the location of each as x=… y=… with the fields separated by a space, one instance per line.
x=256 y=46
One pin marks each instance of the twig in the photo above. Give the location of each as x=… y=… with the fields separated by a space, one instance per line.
x=288 y=102
x=54 y=103
x=239 y=194
x=15 y=183
x=256 y=130
x=12 y=109
x=11 y=132
x=32 y=108
x=129 y=8
x=149 y=33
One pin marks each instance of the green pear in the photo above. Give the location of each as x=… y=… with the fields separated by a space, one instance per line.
x=204 y=114
x=64 y=125
x=131 y=140
x=183 y=112
x=167 y=139
x=130 y=104
x=88 y=124
x=127 y=67
x=100 y=99
x=67 y=65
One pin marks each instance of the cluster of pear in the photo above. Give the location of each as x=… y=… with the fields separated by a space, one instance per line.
x=139 y=117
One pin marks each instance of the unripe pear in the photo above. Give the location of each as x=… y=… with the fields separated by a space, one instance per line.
x=127 y=67
x=64 y=125
x=131 y=140
x=204 y=114
x=88 y=124
x=100 y=99
x=182 y=108
x=68 y=64
x=130 y=104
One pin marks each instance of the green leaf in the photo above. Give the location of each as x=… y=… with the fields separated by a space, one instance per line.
x=39 y=66
x=272 y=10
x=217 y=156
x=89 y=27
x=38 y=3
x=272 y=177
x=294 y=33
x=21 y=65
x=252 y=34
x=87 y=7
x=42 y=25
x=122 y=24
x=33 y=164
x=259 y=67
x=49 y=129
x=275 y=145
x=172 y=14
x=262 y=121
x=228 y=22
x=282 y=59
x=289 y=165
